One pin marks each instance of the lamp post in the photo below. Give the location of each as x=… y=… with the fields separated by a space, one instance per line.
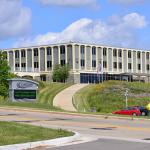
x=126 y=95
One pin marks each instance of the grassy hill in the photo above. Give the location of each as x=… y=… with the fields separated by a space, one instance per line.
x=109 y=96
x=45 y=96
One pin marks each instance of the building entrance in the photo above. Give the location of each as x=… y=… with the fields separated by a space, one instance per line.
x=98 y=78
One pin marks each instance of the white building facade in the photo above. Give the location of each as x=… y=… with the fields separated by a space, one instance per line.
x=84 y=59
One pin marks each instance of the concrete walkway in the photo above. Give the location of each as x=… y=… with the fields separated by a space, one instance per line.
x=63 y=99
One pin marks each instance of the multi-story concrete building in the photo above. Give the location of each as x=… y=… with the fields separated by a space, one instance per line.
x=84 y=60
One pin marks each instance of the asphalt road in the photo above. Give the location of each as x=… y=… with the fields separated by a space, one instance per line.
x=93 y=127
x=104 y=144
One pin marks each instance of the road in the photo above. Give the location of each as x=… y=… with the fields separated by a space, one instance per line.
x=104 y=144
x=110 y=130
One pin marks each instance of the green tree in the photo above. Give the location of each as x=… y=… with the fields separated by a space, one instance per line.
x=61 y=73
x=4 y=74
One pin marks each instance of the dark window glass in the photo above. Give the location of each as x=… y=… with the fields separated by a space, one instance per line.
x=104 y=51
x=147 y=55
x=120 y=53
x=139 y=66
x=62 y=62
x=82 y=49
x=17 y=65
x=129 y=54
x=104 y=64
x=114 y=52
x=120 y=65
x=93 y=50
x=36 y=65
x=48 y=50
x=49 y=64
x=129 y=66
x=94 y=63
x=23 y=65
x=62 y=49
x=23 y=53
x=147 y=66
x=82 y=63
x=5 y=55
x=115 y=65
x=17 y=54
x=138 y=55
x=36 y=52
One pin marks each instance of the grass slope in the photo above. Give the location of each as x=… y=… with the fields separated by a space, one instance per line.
x=45 y=96
x=109 y=96
x=14 y=133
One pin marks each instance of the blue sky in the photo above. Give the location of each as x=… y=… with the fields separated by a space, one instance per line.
x=121 y=23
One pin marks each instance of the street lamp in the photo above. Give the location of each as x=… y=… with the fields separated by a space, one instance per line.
x=126 y=95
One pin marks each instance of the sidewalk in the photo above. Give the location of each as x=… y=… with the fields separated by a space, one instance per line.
x=64 y=98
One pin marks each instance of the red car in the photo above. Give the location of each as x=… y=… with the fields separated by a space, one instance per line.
x=129 y=111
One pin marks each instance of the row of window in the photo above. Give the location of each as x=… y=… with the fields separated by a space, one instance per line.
x=36 y=52
x=82 y=51
x=36 y=64
x=129 y=66
x=115 y=65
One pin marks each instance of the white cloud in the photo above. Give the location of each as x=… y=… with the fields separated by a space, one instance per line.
x=15 y=19
x=128 y=2
x=71 y=3
x=117 y=31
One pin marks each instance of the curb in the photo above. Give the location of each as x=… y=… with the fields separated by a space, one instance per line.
x=107 y=116
x=53 y=142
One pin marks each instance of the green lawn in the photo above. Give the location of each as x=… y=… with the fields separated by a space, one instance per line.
x=109 y=96
x=45 y=96
x=14 y=133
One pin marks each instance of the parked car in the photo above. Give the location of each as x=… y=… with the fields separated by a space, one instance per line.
x=129 y=111
x=143 y=110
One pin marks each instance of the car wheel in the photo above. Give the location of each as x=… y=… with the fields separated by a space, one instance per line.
x=143 y=113
x=134 y=114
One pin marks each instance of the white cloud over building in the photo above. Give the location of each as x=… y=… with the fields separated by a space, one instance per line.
x=116 y=31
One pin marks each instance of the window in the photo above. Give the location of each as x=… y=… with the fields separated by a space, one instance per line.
x=104 y=51
x=119 y=53
x=5 y=55
x=49 y=64
x=115 y=65
x=82 y=49
x=129 y=66
x=35 y=51
x=23 y=53
x=114 y=52
x=147 y=55
x=104 y=64
x=17 y=65
x=82 y=63
x=48 y=50
x=93 y=50
x=139 y=66
x=23 y=65
x=138 y=55
x=147 y=66
x=36 y=64
x=62 y=49
x=17 y=54
x=120 y=65
x=129 y=54
x=62 y=62
x=93 y=63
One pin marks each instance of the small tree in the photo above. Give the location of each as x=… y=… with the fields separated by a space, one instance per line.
x=61 y=73
x=4 y=75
